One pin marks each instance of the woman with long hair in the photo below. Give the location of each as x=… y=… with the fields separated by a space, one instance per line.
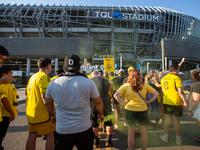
x=194 y=105
x=135 y=92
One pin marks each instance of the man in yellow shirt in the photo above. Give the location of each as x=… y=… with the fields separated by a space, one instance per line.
x=173 y=101
x=3 y=56
x=37 y=115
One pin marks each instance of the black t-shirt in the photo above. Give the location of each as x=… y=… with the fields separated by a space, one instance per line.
x=103 y=88
x=125 y=80
x=118 y=82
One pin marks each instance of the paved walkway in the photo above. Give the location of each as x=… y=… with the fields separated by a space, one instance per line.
x=189 y=131
x=22 y=96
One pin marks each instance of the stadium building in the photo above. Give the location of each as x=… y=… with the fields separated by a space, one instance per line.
x=131 y=34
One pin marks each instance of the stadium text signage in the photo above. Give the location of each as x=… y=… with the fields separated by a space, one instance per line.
x=89 y=69
x=126 y=16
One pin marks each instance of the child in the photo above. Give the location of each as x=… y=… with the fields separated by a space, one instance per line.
x=8 y=104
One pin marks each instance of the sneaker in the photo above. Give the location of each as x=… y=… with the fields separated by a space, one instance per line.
x=116 y=126
x=125 y=125
x=109 y=144
x=163 y=138
x=44 y=137
x=178 y=142
x=96 y=143
x=104 y=130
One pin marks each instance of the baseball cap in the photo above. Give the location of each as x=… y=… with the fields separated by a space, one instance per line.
x=111 y=74
x=121 y=70
x=130 y=68
x=71 y=62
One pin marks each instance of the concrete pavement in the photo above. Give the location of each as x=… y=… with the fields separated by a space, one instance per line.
x=22 y=96
x=18 y=133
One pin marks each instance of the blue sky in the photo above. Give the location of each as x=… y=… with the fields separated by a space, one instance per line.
x=190 y=7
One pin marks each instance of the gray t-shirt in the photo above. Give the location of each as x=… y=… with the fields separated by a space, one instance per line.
x=196 y=88
x=71 y=95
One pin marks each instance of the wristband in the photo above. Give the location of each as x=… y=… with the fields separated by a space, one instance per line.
x=190 y=111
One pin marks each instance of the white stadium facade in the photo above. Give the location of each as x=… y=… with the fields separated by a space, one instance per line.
x=94 y=32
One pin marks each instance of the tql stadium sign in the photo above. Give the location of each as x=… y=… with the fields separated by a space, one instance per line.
x=126 y=16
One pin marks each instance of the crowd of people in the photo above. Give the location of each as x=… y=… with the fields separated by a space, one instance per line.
x=68 y=108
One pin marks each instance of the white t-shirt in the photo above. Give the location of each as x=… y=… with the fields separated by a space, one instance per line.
x=71 y=95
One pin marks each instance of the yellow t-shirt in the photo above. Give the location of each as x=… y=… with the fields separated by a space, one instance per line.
x=54 y=77
x=135 y=102
x=170 y=84
x=113 y=86
x=89 y=76
x=35 y=108
x=109 y=79
x=8 y=91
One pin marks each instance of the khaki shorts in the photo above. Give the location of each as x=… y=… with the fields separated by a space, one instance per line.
x=42 y=128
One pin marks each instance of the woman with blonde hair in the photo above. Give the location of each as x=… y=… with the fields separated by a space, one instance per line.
x=135 y=92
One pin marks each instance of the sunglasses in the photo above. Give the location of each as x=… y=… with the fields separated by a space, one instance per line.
x=2 y=58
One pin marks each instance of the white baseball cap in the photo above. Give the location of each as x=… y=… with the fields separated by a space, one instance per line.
x=121 y=70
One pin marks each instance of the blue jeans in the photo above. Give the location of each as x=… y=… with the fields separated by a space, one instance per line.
x=153 y=106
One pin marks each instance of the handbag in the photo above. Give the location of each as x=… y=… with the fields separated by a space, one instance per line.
x=140 y=95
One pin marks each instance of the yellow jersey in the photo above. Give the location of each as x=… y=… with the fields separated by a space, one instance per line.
x=109 y=79
x=8 y=91
x=89 y=76
x=113 y=86
x=170 y=84
x=54 y=77
x=135 y=102
x=35 y=108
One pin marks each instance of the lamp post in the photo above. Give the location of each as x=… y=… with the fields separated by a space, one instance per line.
x=120 y=60
x=148 y=66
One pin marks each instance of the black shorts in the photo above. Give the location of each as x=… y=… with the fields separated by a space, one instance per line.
x=137 y=117
x=173 y=110
x=108 y=123
x=94 y=120
x=116 y=102
x=83 y=140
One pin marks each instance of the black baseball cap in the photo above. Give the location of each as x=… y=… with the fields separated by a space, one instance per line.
x=71 y=62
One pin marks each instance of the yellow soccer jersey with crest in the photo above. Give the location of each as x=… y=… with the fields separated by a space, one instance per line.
x=35 y=108
x=170 y=84
x=8 y=91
